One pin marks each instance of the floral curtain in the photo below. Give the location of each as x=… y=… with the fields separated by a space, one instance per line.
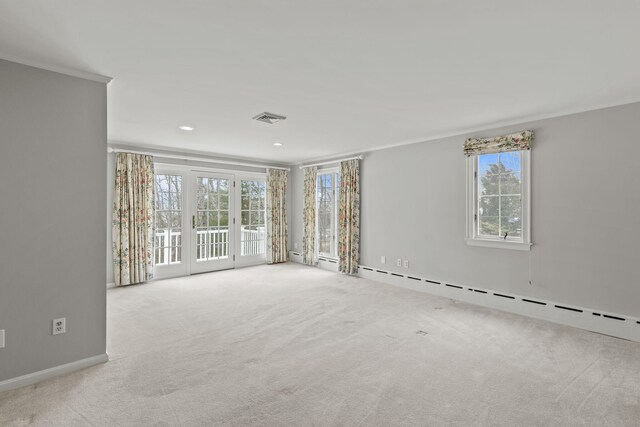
x=309 y=217
x=133 y=209
x=349 y=217
x=499 y=144
x=277 y=216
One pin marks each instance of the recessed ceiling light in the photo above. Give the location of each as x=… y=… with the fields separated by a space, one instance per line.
x=186 y=128
x=277 y=144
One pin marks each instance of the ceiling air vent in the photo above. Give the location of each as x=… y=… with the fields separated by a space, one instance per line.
x=268 y=118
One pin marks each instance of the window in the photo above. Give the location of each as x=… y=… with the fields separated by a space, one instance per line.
x=498 y=205
x=168 y=219
x=327 y=196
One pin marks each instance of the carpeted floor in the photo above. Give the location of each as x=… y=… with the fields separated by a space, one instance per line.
x=290 y=345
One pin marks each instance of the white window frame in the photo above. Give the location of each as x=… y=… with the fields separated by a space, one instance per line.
x=336 y=192
x=522 y=243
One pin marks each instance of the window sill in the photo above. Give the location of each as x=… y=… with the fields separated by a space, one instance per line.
x=500 y=244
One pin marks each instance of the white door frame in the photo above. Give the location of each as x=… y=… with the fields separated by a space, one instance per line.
x=203 y=266
x=243 y=261
x=189 y=174
x=181 y=268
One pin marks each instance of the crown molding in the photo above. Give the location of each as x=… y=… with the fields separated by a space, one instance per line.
x=57 y=69
x=465 y=132
x=523 y=121
x=191 y=155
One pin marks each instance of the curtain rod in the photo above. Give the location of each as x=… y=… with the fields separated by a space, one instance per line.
x=194 y=158
x=360 y=157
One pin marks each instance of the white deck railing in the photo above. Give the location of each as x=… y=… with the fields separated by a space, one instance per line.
x=210 y=244
x=252 y=242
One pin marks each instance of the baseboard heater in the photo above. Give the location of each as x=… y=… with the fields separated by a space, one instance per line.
x=613 y=324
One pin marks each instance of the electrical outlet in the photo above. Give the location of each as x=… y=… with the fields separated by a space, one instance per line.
x=1 y=338
x=399 y=262
x=59 y=326
x=383 y=259
x=406 y=263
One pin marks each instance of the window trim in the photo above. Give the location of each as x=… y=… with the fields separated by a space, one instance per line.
x=336 y=192
x=472 y=237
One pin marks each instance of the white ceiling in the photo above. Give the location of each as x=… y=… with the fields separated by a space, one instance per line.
x=349 y=75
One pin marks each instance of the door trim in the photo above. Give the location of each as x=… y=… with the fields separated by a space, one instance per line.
x=181 y=269
x=196 y=266
x=245 y=261
x=188 y=175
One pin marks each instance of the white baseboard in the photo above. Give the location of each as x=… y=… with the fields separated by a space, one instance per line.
x=323 y=262
x=295 y=257
x=329 y=264
x=594 y=320
x=111 y=285
x=36 y=377
x=613 y=324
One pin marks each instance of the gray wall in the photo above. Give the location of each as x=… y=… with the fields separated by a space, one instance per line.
x=585 y=211
x=53 y=135
x=166 y=160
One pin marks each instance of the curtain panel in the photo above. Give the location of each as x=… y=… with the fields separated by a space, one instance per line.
x=349 y=217
x=309 y=217
x=277 y=216
x=133 y=211
x=499 y=144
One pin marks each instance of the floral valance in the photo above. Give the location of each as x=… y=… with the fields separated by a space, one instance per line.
x=499 y=144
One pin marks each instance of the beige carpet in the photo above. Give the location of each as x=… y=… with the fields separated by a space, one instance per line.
x=290 y=345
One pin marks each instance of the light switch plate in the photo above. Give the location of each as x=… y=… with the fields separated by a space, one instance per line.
x=1 y=338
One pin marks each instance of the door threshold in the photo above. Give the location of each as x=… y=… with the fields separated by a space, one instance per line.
x=212 y=271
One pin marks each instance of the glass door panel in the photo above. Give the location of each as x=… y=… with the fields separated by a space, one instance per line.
x=251 y=195
x=169 y=223
x=212 y=220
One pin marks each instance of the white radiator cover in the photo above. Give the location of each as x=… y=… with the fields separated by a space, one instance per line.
x=613 y=324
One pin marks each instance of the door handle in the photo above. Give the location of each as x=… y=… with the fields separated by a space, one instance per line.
x=193 y=221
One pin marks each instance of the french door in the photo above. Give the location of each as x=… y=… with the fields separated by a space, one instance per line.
x=171 y=249
x=212 y=231
x=251 y=231
x=207 y=220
